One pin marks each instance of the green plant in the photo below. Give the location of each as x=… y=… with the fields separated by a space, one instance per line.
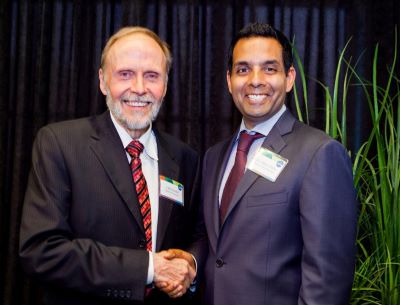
x=376 y=176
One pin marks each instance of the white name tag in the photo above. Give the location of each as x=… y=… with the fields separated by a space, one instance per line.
x=268 y=164
x=171 y=189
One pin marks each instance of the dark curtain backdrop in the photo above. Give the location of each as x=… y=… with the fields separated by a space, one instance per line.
x=50 y=54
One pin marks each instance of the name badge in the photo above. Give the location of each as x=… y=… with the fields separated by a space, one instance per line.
x=267 y=164
x=171 y=189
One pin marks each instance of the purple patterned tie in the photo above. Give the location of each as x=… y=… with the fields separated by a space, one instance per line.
x=245 y=141
x=134 y=149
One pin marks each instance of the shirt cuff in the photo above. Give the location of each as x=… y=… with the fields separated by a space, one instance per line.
x=195 y=263
x=193 y=285
x=150 y=270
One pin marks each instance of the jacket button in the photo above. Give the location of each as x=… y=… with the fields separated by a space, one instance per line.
x=220 y=263
x=142 y=243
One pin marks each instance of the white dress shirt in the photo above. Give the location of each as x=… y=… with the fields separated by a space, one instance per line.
x=263 y=128
x=149 y=158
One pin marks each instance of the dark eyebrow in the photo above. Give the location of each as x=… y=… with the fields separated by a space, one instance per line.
x=246 y=63
x=241 y=63
x=271 y=62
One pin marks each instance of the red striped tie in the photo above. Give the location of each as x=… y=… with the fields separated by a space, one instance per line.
x=134 y=149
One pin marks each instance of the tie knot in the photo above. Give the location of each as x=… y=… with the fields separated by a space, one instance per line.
x=245 y=141
x=134 y=149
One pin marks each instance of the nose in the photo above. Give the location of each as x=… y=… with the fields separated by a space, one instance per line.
x=138 y=85
x=256 y=78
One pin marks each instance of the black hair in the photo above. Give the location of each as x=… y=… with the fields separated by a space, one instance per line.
x=263 y=30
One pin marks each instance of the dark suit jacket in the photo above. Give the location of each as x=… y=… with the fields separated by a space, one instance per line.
x=286 y=242
x=82 y=232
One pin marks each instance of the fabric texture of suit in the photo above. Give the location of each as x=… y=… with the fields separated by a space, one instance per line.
x=82 y=232
x=286 y=242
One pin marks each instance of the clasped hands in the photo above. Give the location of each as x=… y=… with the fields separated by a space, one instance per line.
x=174 y=271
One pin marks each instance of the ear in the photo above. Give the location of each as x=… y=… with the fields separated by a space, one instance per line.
x=102 y=84
x=228 y=80
x=290 y=78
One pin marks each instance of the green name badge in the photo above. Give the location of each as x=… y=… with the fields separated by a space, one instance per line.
x=267 y=164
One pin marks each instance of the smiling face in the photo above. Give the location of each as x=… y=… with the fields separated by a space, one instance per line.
x=134 y=79
x=258 y=82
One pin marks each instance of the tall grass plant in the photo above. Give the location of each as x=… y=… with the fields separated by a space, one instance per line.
x=376 y=169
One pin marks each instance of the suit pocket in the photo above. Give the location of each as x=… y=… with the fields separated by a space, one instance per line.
x=267 y=199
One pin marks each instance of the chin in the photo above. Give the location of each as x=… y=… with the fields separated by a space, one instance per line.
x=136 y=125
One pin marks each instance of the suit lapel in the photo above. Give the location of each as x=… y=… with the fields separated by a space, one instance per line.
x=167 y=166
x=274 y=142
x=107 y=146
x=217 y=166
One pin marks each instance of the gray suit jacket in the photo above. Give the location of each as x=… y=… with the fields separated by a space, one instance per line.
x=82 y=232
x=286 y=242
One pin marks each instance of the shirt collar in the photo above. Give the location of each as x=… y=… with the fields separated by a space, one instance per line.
x=265 y=127
x=148 y=139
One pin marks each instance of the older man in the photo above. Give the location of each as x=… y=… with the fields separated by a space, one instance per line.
x=106 y=194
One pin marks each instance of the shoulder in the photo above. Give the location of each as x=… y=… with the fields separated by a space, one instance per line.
x=73 y=134
x=305 y=142
x=175 y=146
x=79 y=128
x=316 y=143
x=216 y=153
x=63 y=131
x=219 y=147
x=63 y=128
x=297 y=137
x=309 y=133
x=305 y=135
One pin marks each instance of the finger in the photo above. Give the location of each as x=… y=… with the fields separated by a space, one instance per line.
x=161 y=285
x=178 y=253
x=166 y=286
x=192 y=274
x=178 y=295
x=169 y=254
x=184 y=255
x=170 y=289
x=178 y=292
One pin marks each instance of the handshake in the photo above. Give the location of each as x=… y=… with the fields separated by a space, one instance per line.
x=174 y=271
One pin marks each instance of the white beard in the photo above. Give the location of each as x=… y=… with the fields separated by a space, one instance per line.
x=139 y=122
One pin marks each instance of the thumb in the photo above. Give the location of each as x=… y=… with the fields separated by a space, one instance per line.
x=169 y=254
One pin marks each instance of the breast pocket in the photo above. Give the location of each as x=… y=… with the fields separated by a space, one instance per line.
x=267 y=199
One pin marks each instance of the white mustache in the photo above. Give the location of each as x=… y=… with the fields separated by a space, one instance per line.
x=139 y=98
